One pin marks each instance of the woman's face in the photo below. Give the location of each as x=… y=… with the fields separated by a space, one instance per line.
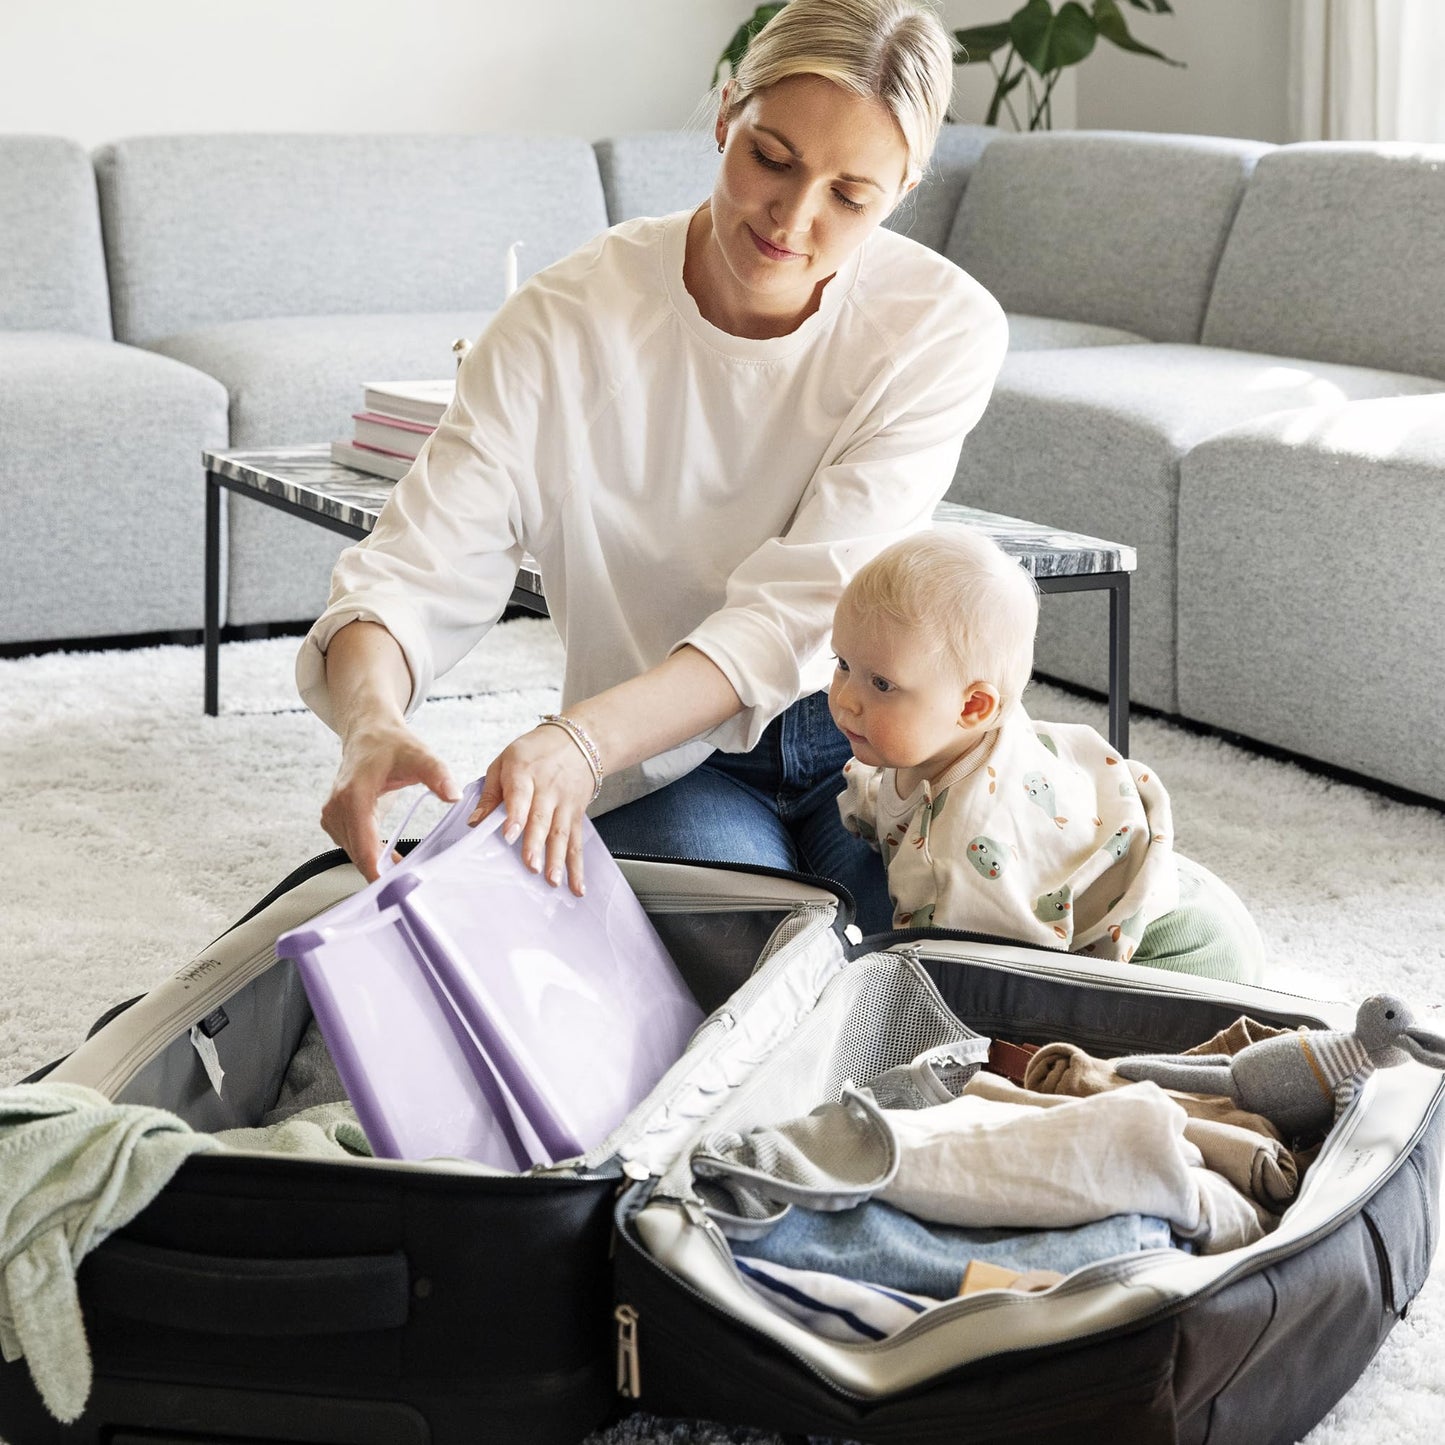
x=808 y=170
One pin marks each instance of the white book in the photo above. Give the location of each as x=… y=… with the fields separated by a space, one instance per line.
x=422 y=401
x=367 y=459
x=389 y=433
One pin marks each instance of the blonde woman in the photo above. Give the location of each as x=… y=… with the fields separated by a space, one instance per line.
x=701 y=425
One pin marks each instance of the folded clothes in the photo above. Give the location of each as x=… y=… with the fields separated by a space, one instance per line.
x=311 y=1079
x=324 y=1131
x=851 y=1311
x=981 y=1161
x=1068 y=1070
x=1243 y=1032
x=1261 y=1168
x=980 y=1276
x=882 y=1244
x=1258 y=1165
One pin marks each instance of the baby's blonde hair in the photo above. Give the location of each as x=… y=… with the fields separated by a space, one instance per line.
x=968 y=598
x=893 y=51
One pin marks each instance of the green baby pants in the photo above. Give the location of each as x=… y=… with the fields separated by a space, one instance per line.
x=1209 y=933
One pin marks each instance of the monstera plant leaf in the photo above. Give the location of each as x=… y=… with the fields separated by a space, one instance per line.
x=1039 y=40
x=978 y=42
x=1047 y=42
x=1109 y=22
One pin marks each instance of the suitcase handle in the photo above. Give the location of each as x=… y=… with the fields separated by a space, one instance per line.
x=217 y=1295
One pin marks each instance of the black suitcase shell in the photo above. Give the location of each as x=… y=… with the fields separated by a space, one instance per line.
x=282 y=1300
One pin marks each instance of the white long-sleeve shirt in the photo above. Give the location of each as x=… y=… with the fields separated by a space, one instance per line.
x=676 y=484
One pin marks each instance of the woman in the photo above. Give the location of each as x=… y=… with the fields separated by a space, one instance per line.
x=700 y=426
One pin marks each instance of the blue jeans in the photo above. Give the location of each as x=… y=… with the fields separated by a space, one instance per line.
x=882 y=1245
x=776 y=805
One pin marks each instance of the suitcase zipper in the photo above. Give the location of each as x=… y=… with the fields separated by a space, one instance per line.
x=629 y=1370
x=711 y=903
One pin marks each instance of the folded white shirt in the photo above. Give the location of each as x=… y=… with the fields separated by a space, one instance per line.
x=981 y=1161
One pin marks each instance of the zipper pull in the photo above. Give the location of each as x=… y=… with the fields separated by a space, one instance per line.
x=629 y=1370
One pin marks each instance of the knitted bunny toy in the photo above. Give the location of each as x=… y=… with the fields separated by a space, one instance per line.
x=1302 y=1081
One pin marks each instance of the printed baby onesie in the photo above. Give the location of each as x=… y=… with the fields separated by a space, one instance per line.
x=1045 y=834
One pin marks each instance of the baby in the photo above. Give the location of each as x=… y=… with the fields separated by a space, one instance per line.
x=987 y=820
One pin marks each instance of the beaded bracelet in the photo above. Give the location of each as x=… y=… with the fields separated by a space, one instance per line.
x=585 y=743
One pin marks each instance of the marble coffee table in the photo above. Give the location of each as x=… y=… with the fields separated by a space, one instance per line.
x=306 y=483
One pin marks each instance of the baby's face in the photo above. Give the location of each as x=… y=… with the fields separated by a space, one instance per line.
x=897 y=703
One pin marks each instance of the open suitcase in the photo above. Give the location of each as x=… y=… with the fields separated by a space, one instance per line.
x=271 y=1299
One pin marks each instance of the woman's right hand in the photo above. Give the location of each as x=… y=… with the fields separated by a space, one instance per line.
x=377 y=760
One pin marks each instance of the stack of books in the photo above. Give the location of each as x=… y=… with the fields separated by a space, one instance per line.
x=396 y=419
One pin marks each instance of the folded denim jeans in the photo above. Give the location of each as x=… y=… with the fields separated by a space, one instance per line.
x=885 y=1246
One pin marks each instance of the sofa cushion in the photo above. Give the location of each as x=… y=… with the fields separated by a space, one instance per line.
x=293 y=380
x=927 y=212
x=1338 y=254
x=1113 y=228
x=1090 y=440
x=102 y=496
x=654 y=173
x=1310 y=585
x=51 y=255
x=1038 y=333
x=202 y=230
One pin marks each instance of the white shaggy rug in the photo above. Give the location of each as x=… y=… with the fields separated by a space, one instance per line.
x=135 y=829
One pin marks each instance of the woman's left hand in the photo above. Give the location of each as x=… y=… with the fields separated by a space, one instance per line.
x=545 y=784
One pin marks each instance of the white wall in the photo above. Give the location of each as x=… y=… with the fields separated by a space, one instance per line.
x=99 y=69
x=96 y=70
x=1237 y=54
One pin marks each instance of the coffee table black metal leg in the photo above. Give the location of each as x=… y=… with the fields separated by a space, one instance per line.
x=1119 y=662
x=213 y=593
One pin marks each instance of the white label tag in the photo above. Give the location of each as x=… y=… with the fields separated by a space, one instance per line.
x=206 y=1048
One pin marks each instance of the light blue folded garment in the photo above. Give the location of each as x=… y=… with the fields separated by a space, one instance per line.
x=73 y=1169
x=887 y=1247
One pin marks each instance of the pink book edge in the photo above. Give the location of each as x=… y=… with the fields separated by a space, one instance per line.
x=401 y=423
x=385 y=451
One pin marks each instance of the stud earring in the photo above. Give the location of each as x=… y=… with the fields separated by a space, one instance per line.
x=719 y=147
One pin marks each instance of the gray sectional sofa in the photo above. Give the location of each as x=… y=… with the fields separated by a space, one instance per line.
x=1286 y=302
x=1229 y=354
